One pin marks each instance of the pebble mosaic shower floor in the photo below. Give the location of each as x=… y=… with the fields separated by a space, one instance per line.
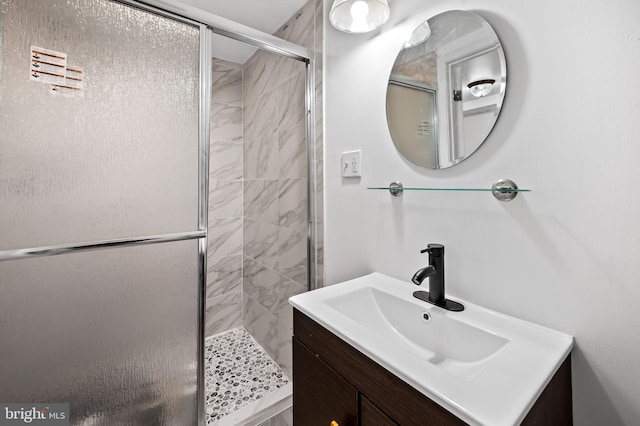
x=237 y=372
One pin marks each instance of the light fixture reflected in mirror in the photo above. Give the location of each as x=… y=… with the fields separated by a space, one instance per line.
x=419 y=35
x=358 y=16
x=481 y=88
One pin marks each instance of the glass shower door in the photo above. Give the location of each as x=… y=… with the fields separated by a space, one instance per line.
x=100 y=164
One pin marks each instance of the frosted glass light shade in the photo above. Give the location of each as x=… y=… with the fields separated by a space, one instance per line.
x=358 y=16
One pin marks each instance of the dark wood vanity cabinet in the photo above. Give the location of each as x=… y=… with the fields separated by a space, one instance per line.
x=321 y=395
x=334 y=382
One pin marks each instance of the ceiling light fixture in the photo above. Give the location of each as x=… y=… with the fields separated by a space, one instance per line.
x=358 y=16
x=481 y=88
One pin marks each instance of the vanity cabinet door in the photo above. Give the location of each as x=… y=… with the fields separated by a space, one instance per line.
x=370 y=415
x=320 y=395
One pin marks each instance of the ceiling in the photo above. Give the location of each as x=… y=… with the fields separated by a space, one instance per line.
x=264 y=15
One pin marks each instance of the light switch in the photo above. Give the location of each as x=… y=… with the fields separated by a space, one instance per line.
x=351 y=164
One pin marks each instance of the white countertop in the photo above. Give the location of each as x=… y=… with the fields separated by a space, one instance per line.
x=494 y=390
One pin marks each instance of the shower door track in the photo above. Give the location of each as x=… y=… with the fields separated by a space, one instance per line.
x=227 y=28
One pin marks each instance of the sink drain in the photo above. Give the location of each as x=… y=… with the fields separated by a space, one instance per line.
x=426 y=316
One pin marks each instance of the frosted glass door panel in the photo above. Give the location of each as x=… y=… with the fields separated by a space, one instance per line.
x=115 y=159
x=112 y=332
x=412 y=122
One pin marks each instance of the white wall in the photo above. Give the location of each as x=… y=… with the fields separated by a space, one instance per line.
x=566 y=255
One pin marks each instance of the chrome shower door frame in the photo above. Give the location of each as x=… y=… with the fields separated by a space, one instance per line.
x=209 y=23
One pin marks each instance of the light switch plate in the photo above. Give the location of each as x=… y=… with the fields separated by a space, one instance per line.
x=351 y=164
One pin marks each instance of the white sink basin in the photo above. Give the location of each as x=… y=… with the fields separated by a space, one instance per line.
x=443 y=340
x=485 y=367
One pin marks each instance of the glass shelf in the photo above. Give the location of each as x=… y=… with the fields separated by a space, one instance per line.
x=502 y=190
x=386 y=188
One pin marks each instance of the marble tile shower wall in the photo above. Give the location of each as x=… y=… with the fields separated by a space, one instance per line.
x=275 y=188
x=258 y=187
x=224 y=255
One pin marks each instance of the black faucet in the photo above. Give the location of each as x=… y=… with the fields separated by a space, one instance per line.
x=435 y=272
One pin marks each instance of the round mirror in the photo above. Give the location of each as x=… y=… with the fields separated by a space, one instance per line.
x=446 y=89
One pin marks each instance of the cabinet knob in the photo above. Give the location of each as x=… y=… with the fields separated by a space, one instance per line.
x=334 y=423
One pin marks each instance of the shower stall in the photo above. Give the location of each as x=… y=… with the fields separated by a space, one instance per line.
x=158 y=206
x=260 y=250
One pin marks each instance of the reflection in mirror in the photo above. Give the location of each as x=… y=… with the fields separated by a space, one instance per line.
x=446 y=89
